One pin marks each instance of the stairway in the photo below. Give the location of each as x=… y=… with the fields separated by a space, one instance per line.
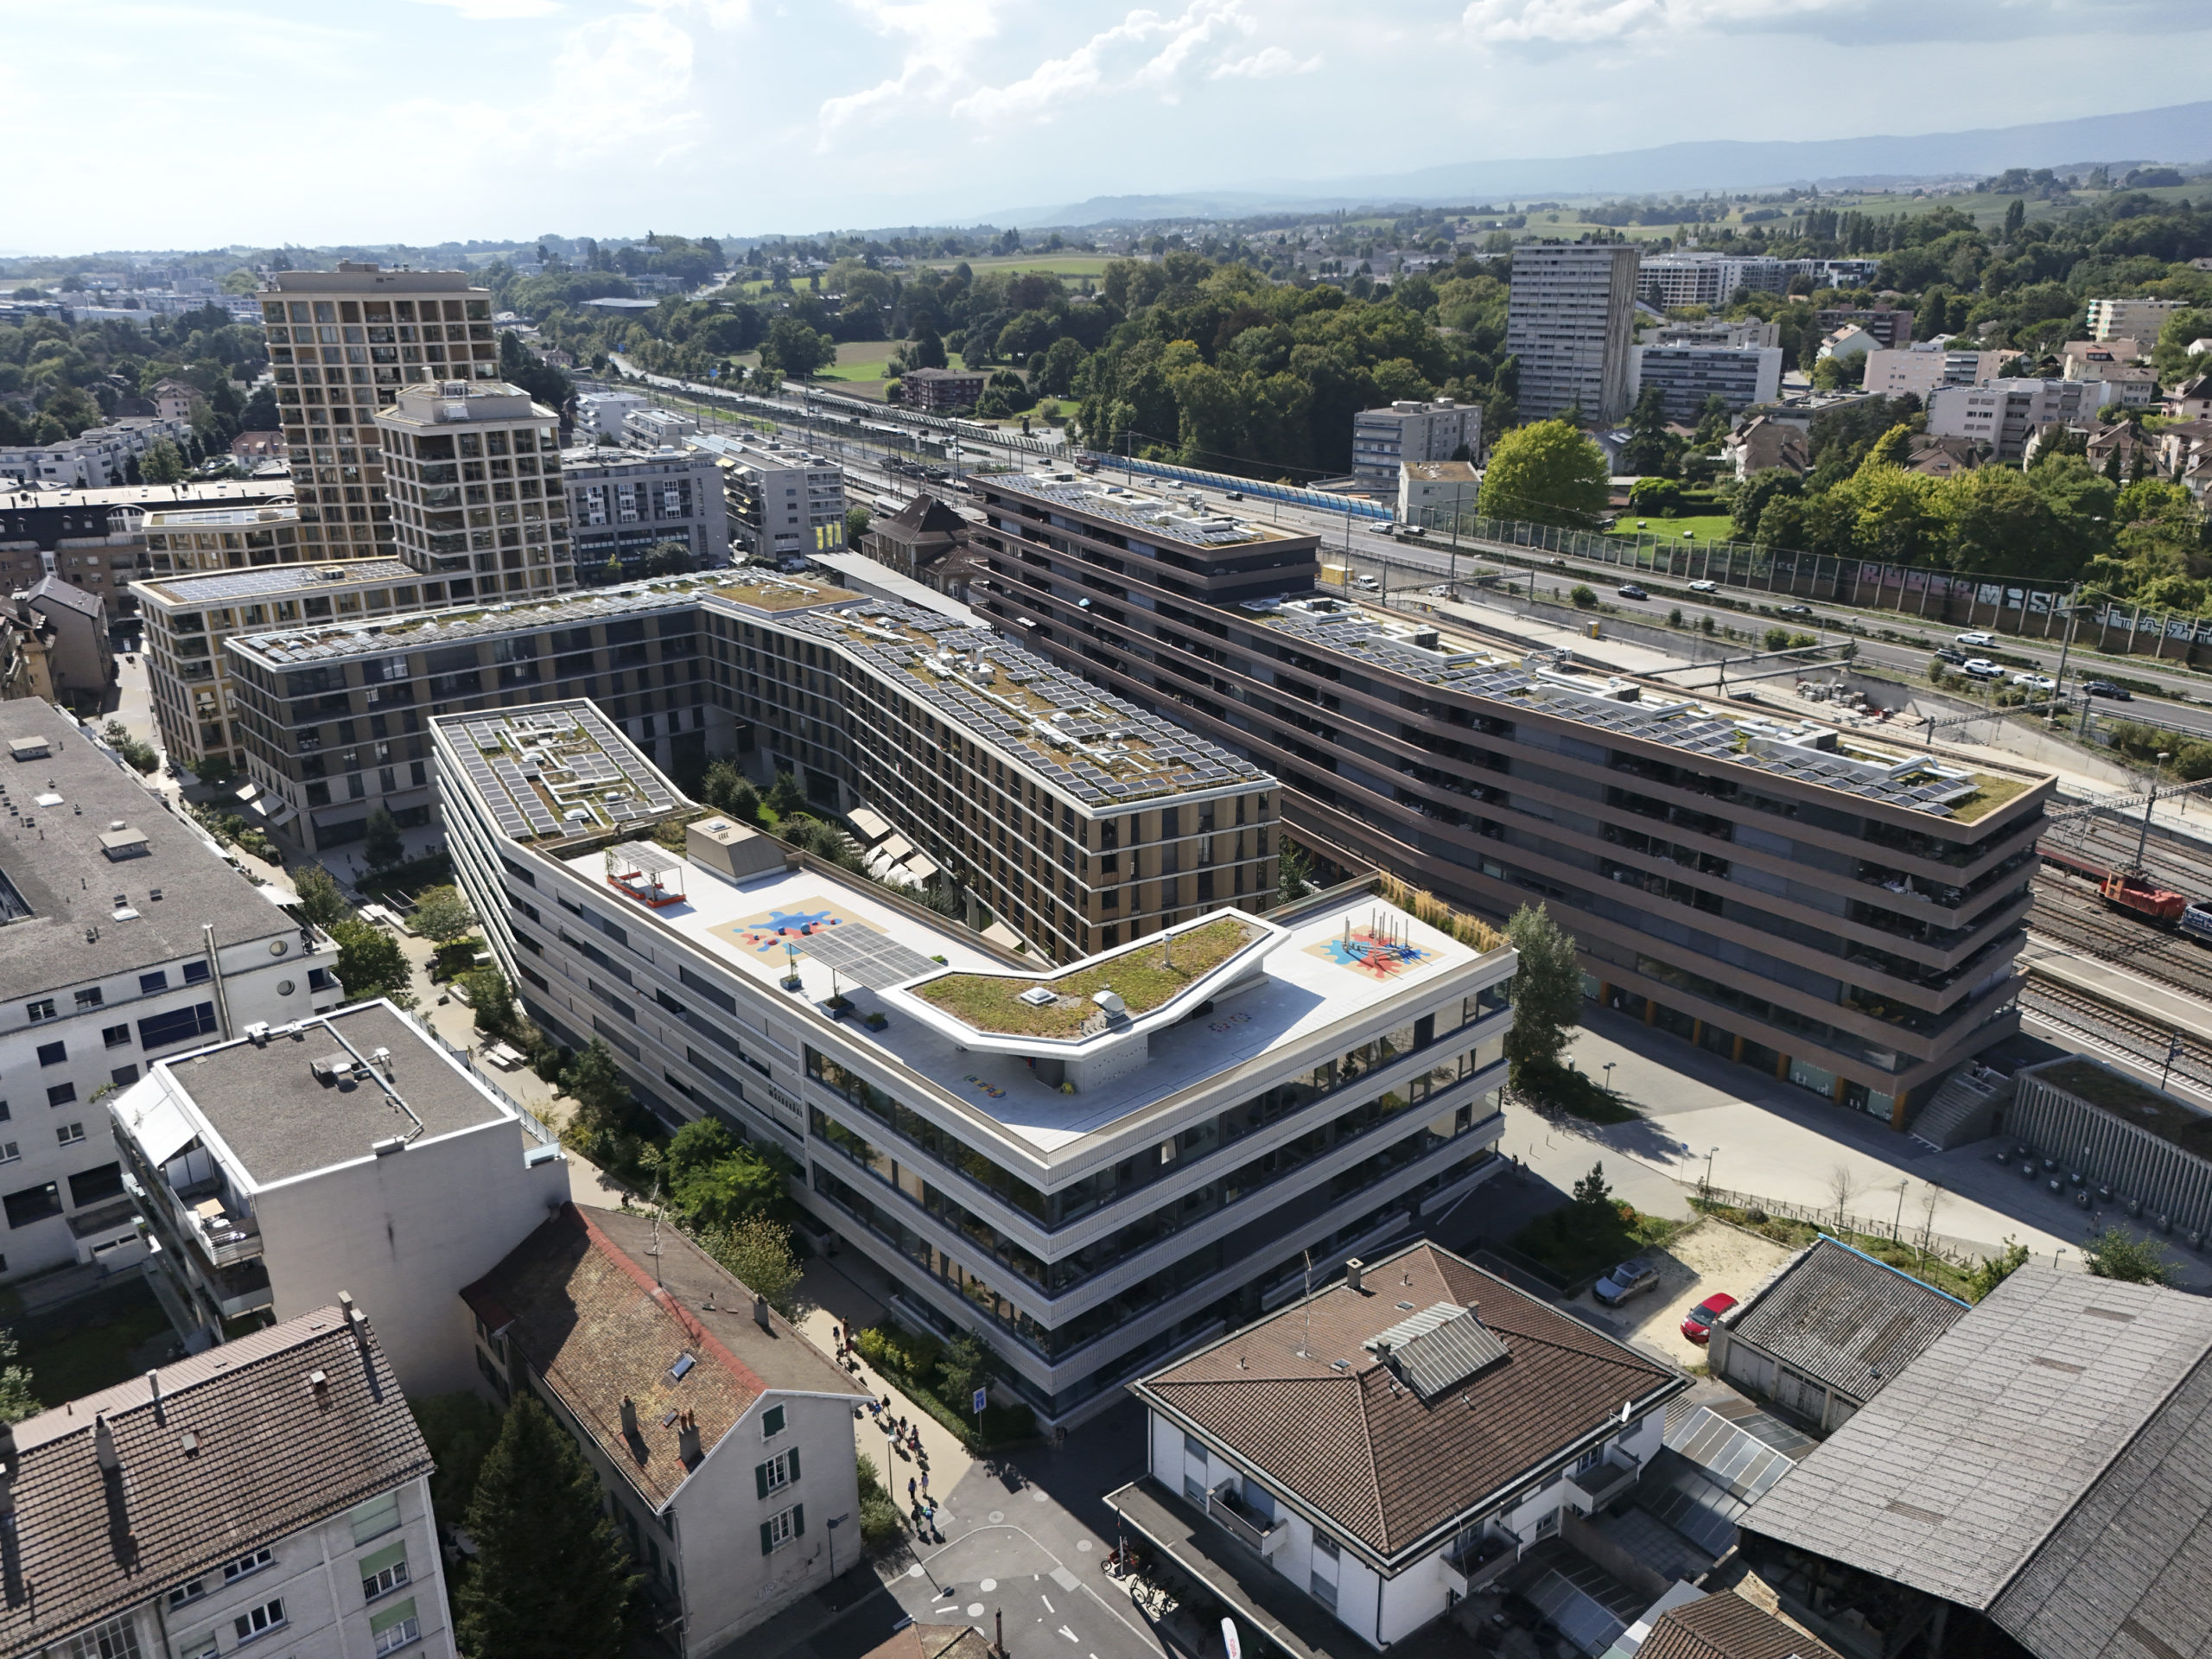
x=1963 y=1109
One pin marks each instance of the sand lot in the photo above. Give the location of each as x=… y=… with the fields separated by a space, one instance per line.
x=1708 y=1257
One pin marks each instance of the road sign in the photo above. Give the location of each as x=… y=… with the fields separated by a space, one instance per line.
x=982 y=1399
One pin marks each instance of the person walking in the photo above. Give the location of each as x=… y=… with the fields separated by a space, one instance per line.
x=909 y=1489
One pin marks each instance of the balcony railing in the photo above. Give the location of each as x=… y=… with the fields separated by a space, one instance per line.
x=1481 y=1559
x=224 y=1239
x=1224 y=1505
x=1601 y=1486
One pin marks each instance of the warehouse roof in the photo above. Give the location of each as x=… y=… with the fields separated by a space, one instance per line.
x=1841 y=1318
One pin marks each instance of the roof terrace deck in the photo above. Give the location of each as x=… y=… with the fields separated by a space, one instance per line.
x=1892 y=775
x=837 y=939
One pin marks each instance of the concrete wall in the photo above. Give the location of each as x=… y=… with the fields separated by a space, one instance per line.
x=403 y=1233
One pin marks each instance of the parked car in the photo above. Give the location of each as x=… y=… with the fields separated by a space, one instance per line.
x=1704 y=587
x=2106 y=689
x=1697 y=1324
x=1631 y=1279
x=1981 y=668
x=1977 y=638
x=1794 y=610
x=1629 y=590
x=2035 y=682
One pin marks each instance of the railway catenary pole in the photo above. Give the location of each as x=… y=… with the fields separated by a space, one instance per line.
x=2149 y=801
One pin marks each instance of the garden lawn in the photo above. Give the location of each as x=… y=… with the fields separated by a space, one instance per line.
x=992 y=1002
x=97 y=1350
x=1705 y=527
x=1057 y=264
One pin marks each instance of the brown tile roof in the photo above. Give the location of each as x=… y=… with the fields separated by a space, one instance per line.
x=1725 y=1626
x=587 y=1315
x=1366 y=1451
x=242 y=1450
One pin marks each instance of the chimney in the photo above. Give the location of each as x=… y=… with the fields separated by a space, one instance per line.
x=687 y=1439
x=1353 y=1268
x=760 y=1314
x=154 y=1392
x=104 y=1443
x=629 y=1418
x=356 y=1321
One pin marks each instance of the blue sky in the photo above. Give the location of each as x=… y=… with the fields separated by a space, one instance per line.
x=200 y=123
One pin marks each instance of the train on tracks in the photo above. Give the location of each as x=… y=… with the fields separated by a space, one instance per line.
x=2132 y=892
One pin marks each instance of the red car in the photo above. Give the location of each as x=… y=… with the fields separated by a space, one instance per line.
x=1697 y=1325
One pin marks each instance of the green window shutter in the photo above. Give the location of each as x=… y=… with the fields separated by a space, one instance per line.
x=378 y=1515
x=793 y=1455
x=384 y=1619
x=798 y=1520
x=767 y=1539
x=372 y=1565
x=760 y=1478
x=772 y=1423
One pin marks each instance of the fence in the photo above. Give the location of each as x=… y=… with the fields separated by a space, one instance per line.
x=1829 y=1218
x=1289 y=494
x=536 y=1126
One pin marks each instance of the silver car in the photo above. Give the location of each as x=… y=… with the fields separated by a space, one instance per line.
x=1630 y=1278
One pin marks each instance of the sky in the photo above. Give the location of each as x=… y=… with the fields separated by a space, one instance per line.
x=200 y=123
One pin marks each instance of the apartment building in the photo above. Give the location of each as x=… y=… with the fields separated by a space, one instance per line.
x=1384 y=440
x=273 y=1493
x=342 y=343
x=1570 y=312
x=1036 y=1154
x=657 y=428
x=97 y=458
x=2004 y=413
x=346 y=1150
x=1437 y=491
x=472 y=472
x=623 y=504
x=1837 y=910
x=1890 y=329
x=1409 y=1370
x=80 y=663
x=941 y=389
x=126 y=937
x=96 y=538
x=722 y=1438
x=785 y=503
x=1687 y=377
x=1919 y=369
x=1735 y=334
x=600 y=415
x=2135 y=385
x=2138 y=320
x=1696 y=276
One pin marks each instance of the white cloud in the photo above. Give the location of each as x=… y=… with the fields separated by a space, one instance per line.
x=1266 y=65
x=1145 y=51
x=498 y=12
x=941 y=35
x=1590 y=22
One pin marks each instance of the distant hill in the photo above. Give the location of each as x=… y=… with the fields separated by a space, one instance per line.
x=2180 y=133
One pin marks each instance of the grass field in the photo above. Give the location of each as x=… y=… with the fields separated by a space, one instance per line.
x=1056 y=264
x=1709 y=527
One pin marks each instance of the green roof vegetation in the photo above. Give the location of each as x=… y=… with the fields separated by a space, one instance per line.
x=1990 y=792
x=1146 y=975
x=2133 y=1102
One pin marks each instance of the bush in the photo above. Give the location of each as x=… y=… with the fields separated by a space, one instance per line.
x=880 y=1518
x=138 y=756
x=1777 y=639
x=1585 y=599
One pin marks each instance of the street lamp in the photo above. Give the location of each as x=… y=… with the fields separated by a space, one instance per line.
x=2150 y=800
x=1608 y=1076
x=1708 y=1170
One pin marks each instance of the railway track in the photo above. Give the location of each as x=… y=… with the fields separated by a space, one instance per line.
x=2068 y=911
x=2099 y=1027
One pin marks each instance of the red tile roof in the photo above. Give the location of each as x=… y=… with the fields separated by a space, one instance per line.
x=1359 y=1446
x=1725 y=1626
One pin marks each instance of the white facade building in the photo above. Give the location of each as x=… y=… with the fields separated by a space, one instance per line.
x=344 y=1152
x=623 y=502
x=1384 y=440
x=790 y=503
x=1687 y=375
x=2139 y=320
x=1920 y=368
x=1436 y=491
x=656 y=428
x=273 y=1495
x=127 y=938
x=1569 y=318
x=2004 y=414
x=601 y=414
x=97 y=458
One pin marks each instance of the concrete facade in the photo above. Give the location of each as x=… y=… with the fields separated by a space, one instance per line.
x=1569 y=319
x=1408 y=432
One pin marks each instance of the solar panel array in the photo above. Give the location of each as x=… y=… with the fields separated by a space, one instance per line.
x=1146 y=513
x=865 y=956
x=531 y=769
x=281 y=578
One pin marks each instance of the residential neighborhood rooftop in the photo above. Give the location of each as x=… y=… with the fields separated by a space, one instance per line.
x=231 y=587
x=1157 y=517
x=1843 y=1318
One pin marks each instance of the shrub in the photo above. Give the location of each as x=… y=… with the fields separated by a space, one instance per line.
x=1584 y=598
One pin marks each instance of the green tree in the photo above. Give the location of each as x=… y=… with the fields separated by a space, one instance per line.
x=857 y=524
x=442 y=915
x=927 y=352
x=321 y=900
x=16 y=1400
x=1293 y=869
x=966 y=1366
x=602 y=1095
x=2118 y=1254
x=1547 y=473
x=551 y=1579
x=1547 y=996
x=370 y=961
x=796 y=349
x=382 y=844
x=1592 y=1192
x=493 y=998
x=1996 y=1269
x=757 y=1249
x=727 y=790
x=785 y=796
x=1585 y=596
x=459 y=1430
x=136 y=753
x=668 y=558
x=163 y=463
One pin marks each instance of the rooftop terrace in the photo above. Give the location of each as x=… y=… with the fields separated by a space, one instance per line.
x=224 y=587
x=556 y=772
x=217 y=518
x=1158 y=518
x=1893 y=773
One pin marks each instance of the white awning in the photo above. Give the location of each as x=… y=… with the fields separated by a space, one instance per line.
x=922 y=867
x=871 y=825
x=897 y=847
x=156 y=1122
x=247 y=792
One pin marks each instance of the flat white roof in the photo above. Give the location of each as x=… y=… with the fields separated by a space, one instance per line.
x=1310 y=980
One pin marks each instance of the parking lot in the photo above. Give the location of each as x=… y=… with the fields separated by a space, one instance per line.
x=1707 y=1258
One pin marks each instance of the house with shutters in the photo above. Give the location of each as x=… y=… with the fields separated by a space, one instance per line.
x=722 y=1439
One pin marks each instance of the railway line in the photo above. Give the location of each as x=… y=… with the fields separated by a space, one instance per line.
x=2068 y=911
x=2099 y=1027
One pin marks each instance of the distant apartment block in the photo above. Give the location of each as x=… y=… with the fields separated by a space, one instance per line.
x=1384 y=440
x=600 y=415
x=1688 y=376
x=1694 y=277
x=2139 y=320
x=789 y=503
x=342 y=343
x=97 y=458
x=2135 y=385
x=1737 y=334
x=623 y=503
x=347 y=1149
x=1570 y=312
x=474 y=471
x=657 y=428
x=1919 y=369
x=127 y=939
x=2004 y=413
x=1891 y=328
x=941 y=389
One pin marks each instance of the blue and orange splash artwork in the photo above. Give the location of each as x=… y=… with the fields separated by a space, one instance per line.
x=1364 y=952
x=787 y=924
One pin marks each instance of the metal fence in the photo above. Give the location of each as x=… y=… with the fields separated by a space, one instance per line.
x=1829 y=1218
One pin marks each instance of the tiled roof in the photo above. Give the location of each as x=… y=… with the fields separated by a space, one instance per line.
x=242 y=1449
x=589 y=1318
x=1843 y=1318
x=2058 y=1410
x=913 y=1641
x=1725 y=1626
x=1360 y=1448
